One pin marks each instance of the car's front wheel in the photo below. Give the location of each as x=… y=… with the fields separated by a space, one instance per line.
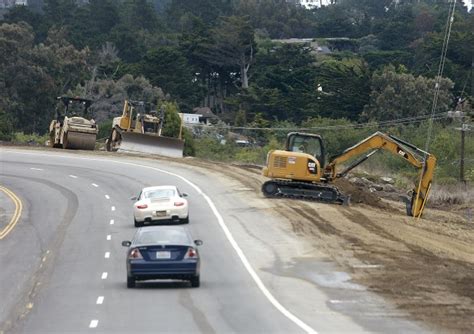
x=130 y=282
x=195 y=282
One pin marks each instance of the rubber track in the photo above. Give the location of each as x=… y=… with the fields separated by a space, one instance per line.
x=339 y=198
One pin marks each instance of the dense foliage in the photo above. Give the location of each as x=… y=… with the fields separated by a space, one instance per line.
x=362 y=60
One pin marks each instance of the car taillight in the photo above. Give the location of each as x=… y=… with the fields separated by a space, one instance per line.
x=191 y=254
x=142 y=206
x=135 y=254
x=178 y=203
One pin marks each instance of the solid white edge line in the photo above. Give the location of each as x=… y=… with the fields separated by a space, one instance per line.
x=227 y=233
x=94 y=323
x=109 y=237
x=107 y=255
x=104 y=275
x=100 y=300
x=112 y=222
x=95 y=185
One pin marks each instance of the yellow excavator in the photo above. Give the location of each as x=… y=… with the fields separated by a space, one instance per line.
x=139 y=131
x=300 y=170
x=72 y=128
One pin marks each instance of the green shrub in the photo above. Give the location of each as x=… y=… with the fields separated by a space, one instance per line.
x=105 y=128
x=32 y=139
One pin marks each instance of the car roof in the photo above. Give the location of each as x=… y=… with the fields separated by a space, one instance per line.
x=159 y=187
x=179 y=229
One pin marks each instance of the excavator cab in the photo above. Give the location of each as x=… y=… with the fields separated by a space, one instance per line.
x=306 y=143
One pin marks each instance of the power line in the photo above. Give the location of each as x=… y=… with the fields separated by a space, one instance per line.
x=400 y=121
x=442 y=62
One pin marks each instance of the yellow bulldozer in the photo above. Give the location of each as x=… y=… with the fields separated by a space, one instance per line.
x=300 y=171
x=72 y=128
x=139 y=130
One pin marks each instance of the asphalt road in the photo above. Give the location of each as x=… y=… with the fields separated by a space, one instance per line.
x=63 y=266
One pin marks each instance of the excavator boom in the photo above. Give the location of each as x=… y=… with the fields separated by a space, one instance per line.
x=422 y=160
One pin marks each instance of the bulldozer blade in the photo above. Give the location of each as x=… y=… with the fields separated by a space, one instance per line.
x=142 y=143
x=79 y=140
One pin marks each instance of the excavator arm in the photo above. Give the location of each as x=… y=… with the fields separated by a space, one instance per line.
x=422 y=160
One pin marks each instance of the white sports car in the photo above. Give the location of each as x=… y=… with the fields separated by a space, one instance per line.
x=160 y=204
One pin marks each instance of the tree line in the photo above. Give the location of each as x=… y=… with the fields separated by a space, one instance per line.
x=228 y=55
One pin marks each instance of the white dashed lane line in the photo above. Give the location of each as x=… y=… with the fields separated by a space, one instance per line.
x=112 y=208
x=107 y=196
x=112 y=222
x=109 y=237
x=73 y=176
x=104 y=275
x=107 y=255
x=100 y=300
x=95 y=185
x=93 y=323
x=36 y=168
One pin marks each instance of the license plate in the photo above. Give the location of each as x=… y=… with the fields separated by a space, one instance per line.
x=160 y=213
x=163 y=255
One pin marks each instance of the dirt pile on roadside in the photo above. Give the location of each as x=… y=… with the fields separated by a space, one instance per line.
x=360 y=194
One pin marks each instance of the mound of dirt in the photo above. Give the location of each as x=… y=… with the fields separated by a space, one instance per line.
x=360 y=194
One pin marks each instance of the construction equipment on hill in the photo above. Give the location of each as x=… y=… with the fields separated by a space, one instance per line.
x=139 y=131
x=301 y=172
x=72 y=128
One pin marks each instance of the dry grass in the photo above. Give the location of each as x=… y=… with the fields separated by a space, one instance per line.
x=459 y=194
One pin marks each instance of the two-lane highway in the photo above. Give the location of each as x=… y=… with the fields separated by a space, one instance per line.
x=63 y=266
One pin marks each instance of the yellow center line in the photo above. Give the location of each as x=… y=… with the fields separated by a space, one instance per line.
x=16 y=214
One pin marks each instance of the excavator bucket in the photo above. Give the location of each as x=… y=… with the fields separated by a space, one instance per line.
x=132 y=142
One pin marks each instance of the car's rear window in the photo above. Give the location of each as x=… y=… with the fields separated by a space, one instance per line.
x=164 y=236
x=160 y=193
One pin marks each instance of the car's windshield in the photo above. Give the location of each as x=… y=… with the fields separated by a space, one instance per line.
x=163 y=236
x=159 y=193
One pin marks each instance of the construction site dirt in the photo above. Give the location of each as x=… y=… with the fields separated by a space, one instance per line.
x=424 y=266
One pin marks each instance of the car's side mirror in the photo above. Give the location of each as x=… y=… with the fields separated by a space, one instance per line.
x=126 y=243
x=184 y=195
x=198 y=242
x=134 y=198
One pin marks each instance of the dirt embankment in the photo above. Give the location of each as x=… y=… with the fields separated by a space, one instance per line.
x=425 y=266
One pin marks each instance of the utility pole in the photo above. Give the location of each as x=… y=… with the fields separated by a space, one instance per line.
x=458 y=114
x=463 y=130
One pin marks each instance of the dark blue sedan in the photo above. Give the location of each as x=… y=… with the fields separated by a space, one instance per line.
x=162 y=252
